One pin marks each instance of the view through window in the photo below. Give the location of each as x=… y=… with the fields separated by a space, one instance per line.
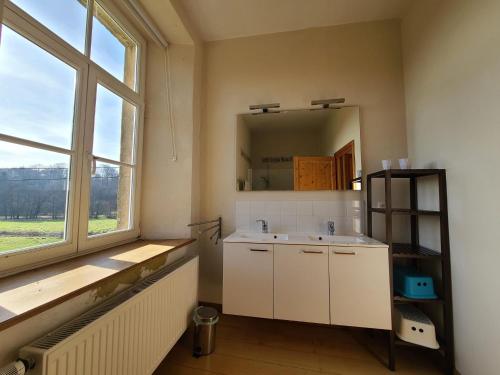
x=41 y=96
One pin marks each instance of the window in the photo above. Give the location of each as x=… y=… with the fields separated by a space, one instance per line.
x=114 y=143
x=112 y=48
x=66 y=18
x=70 y=111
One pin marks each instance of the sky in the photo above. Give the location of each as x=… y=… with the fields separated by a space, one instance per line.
x=37 y=90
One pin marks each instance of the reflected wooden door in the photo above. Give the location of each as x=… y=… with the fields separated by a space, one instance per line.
x=314 y=173
x=344 y=163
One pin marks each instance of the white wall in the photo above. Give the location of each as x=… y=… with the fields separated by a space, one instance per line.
x=452 y=81
x=361 y=62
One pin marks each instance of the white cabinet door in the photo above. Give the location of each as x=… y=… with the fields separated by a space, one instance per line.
x=359 y=290
x=248 y=280
x=301 y=287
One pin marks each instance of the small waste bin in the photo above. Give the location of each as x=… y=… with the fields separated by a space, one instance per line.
x=205 y=320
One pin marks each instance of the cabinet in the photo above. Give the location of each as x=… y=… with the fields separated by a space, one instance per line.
x=359 y=287
x=341 y=285
x=301 y=286
x=248 y=280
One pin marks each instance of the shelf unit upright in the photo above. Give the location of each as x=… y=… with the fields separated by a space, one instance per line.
x=417 y=253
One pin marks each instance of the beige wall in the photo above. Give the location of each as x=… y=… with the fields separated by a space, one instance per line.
x=167 y=185
x=452 y=79
x=361 y=62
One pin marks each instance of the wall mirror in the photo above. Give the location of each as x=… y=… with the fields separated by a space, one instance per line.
x=302 y=150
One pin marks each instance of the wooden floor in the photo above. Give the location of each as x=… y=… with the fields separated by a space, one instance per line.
x=249 y=346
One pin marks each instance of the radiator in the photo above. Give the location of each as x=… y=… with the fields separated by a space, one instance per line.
x=128 y=334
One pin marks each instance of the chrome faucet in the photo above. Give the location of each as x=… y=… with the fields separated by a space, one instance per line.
x=331 y=228
x=264 y=225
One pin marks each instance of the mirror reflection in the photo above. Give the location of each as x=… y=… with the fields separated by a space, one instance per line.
x=302 y=150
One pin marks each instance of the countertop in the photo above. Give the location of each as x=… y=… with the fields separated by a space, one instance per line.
x=303 y=239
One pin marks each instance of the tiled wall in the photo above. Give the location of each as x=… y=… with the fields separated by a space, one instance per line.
x=300 y=216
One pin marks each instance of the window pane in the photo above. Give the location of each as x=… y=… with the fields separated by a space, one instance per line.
x=114 y=127
x=66 y=18
x=37 y=92
x=110 y=199
x=112 y=48
x=33 y=196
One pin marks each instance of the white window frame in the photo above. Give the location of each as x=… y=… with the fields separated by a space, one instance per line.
x=77 y=241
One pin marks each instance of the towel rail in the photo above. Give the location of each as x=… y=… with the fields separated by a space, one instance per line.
x=217 y=234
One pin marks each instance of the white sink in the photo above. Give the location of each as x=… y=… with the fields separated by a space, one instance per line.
x=303 y=239
x=264 y=236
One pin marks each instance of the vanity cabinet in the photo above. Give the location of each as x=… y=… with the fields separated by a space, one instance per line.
x=248 y=279
x=301 y=285
x=346 y=285
x=360 y=287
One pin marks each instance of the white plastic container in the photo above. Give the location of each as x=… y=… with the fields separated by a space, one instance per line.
x=412 y=325
x=386 y=164
x=404 y=163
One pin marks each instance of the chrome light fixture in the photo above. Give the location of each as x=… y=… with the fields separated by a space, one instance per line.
x=325 y=103
x=264 y=107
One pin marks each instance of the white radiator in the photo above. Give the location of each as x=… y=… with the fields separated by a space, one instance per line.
x=128 y=334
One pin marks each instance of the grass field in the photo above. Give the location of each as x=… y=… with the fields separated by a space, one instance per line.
x=18 y=234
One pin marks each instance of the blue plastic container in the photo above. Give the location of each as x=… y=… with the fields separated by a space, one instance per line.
x=413 y=284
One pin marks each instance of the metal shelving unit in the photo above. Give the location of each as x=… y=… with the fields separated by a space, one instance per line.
x=417 y=253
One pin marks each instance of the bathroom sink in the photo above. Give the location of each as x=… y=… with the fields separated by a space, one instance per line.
x=303 y=239
x=264 y=236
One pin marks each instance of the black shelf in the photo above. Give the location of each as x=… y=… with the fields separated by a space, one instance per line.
x=415 y=252
x=406 y=211
x=406 y=173
x=403 y=250
x=441 y=350
x=401 y=299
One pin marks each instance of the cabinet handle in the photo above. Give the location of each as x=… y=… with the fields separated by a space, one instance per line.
x=260 y=250
x=312 y=251
x=345 y=252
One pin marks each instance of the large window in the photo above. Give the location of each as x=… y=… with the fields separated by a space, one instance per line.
x=70 y=109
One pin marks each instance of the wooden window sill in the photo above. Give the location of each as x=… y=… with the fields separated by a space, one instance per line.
x=32 y=292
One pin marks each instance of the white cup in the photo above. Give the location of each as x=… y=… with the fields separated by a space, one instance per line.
x=386 y=164
x=404 y=164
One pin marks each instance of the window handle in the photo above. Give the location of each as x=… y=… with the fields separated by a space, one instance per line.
x=94 y=166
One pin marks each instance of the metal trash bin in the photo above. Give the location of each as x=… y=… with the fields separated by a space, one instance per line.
x=205 y=320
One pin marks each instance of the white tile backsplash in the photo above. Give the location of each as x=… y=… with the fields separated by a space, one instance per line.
x=289 y=208
x=289 y=223
x=306 y=224
x=300 y=216
x=242 y=207
x=258 y=208
x=304 y=208
x=273 y=208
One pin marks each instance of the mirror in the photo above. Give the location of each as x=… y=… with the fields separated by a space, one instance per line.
x=302 y=150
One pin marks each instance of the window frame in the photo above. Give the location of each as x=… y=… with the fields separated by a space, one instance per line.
x=88 y=75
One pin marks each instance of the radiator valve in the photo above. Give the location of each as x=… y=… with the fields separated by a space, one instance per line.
x=19 y=367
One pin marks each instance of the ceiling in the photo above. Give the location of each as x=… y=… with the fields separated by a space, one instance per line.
x=227 y=19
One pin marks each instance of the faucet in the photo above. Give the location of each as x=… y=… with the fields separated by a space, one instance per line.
x=264 y=225
x=331 y=228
